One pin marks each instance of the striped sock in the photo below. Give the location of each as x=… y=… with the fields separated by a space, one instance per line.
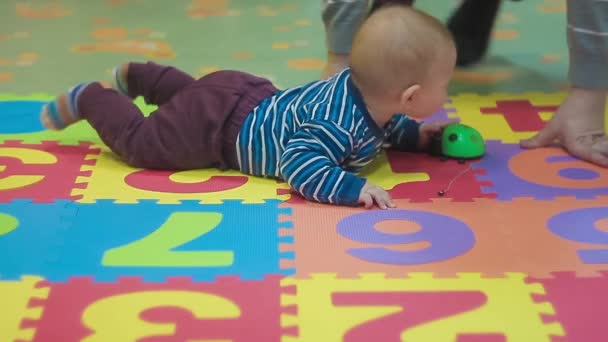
x=62 y=111
x=120 y=83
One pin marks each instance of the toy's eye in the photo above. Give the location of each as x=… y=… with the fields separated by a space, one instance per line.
x=453 y=137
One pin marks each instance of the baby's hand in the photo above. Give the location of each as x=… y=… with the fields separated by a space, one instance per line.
x=371 y=193
x=428 y=130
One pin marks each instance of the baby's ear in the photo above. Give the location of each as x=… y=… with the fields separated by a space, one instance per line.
x=408 y=95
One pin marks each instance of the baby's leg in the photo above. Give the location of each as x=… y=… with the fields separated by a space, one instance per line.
x=62 y=111
x=160 y=141
x=156 y=83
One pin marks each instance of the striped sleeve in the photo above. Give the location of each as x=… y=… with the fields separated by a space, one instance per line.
x=403 y=133
x=311 y=164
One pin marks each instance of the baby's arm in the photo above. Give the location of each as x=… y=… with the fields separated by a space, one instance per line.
x=404 y=133
x=311 y=164
x=372 y=193
x=407 y=135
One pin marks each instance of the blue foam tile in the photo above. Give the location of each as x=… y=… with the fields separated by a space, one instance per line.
x=36 y=241
x=246 y=236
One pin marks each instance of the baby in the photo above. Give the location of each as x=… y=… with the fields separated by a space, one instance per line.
x=316 y=136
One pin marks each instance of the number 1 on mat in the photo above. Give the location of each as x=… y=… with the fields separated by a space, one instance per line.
x=156 y=249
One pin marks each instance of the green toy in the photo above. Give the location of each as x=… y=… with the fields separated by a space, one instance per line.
x=458 y=141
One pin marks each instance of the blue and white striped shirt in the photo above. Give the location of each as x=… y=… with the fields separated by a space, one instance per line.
x=316 y=137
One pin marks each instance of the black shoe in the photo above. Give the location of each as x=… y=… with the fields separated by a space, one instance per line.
x=471 y=25
x=379 y=3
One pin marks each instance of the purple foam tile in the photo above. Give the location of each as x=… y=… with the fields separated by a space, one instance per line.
x=441 y=114
x=578 y=173
x=580 y=225
x=434 y=227
x=495 y=169
x=557 y=159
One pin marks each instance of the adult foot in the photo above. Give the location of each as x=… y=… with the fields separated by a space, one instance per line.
x=579 y=125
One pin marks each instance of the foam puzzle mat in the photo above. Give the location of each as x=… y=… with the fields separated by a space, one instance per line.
x=93 y=250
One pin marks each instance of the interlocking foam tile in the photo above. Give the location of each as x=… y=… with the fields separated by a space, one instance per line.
x=540 y=173
x=441 y=114
x=381 y=173
x=21 y=114
x=31 y=235
x=581 y=305
x=420 y=308
x=113 y=179
x=106 y=241
x=227 y=309
x=418 y=177
x=21 y=121
x=465 y=187
x=506 y=117
x=43 y=172
x=20 y=300
x=446 y=237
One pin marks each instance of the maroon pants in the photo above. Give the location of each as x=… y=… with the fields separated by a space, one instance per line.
x=195 y=126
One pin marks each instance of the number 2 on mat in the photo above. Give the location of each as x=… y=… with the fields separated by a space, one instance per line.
x=156 y=249
x=417 y=308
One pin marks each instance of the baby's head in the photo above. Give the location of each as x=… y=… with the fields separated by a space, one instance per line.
x=402 y=61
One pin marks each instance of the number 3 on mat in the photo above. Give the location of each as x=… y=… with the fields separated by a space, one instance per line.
x=156 y=249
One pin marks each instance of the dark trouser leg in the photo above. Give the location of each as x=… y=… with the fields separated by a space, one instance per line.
x=159 y=141
x=156 y=83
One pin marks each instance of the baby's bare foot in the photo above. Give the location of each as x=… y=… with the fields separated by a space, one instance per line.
x=578 y=125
